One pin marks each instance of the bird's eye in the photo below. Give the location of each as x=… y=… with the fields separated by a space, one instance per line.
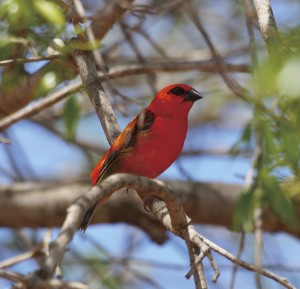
x=177 y=90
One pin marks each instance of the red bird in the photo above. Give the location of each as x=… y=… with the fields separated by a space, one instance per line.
x=151 y=142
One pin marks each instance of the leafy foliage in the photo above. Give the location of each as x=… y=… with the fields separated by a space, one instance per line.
x=243 y=215
x=71 y=116
x=50 y=12
x=276 y=125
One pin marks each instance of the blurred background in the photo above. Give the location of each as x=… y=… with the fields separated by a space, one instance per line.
x=245 y=128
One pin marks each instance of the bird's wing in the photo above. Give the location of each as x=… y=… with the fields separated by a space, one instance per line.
x=123 y=144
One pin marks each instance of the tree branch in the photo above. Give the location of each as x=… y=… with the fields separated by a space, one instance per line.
x=22 y=206
x=30 y=282
x=228 y=79
x=174 y=219
x=269 y=29
x=172 y=66
x=102 y=22
x=109 y=15
x=92 y=85
x=28 y=60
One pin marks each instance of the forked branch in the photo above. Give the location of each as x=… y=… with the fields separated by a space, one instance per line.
x=166 y=206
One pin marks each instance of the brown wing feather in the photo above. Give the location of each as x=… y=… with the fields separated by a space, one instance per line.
x=140 y=124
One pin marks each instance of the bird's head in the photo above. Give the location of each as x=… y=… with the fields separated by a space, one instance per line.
x=175 y=100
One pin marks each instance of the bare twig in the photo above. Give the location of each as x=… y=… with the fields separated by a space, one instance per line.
x=152 y=42
x=28 y=60
x=18 y=174
x=258 y=240
x=281 y=280
x=22 y=257
x=110 y=14
x=198 y=277
x=229 y=80
x=29 y=282
x=13 y=276
x=4 y=140
x=239 y=254
x=38 y=106
x=249 y=11
x=150 y=76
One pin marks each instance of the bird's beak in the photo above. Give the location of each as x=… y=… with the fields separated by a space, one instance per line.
x=192 y=95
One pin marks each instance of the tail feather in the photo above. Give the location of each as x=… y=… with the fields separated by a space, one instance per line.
x=87 y=218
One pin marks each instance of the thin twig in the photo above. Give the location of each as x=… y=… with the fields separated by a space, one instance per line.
x=110 y=14
x=258 y=241
x=17 y=155
x=281 y=280
x=229 y=80
x=152 y=42
x=29 y=282
x=22 y=257
x=149 y=76
x=198 y=279
x=11 y=156
x=239 y=254
x=4 y=140
x=249 y=23
x=29 y=59
x=39 y=106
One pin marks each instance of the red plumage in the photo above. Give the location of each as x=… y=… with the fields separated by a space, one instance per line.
x=151 y=142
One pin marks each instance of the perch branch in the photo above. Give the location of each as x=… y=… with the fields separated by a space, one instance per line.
x=171 y=215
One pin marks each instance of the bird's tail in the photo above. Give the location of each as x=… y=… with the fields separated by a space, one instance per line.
x=87 y=218
x=90 y=213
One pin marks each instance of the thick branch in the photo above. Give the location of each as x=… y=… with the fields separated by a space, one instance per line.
x=21 y=205
x=77 y=210
x=269 y=29
x=92 y=85
x=177 y=223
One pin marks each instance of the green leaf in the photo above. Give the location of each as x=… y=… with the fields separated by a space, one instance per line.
x=266 y=76
x=244 y=141
x=279 y=202
x=290 y=145
x=288 y=79
x=243 y=213
x=70 y=117
x=51 y=12
x=268 y=140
